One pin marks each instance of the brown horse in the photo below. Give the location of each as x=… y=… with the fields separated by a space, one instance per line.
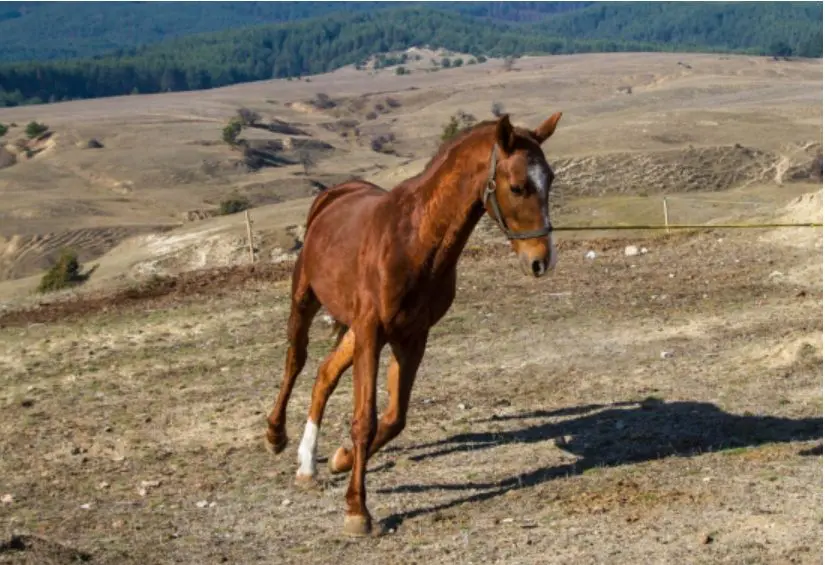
x=383 y=264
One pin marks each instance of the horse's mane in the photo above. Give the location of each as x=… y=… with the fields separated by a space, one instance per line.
x=444 y=149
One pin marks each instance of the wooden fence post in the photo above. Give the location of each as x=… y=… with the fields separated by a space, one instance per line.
x=249 y=237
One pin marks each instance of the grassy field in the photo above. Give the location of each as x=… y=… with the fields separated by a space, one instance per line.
x=658 y=408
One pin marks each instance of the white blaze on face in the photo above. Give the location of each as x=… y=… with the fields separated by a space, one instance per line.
x=307 y=450
x=540 y=174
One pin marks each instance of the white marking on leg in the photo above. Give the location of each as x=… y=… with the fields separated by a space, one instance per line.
x=308 y=449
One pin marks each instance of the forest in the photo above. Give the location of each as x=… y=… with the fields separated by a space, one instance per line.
x=310 y=38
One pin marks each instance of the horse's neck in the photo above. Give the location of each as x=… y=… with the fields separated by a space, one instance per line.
x=450 y=207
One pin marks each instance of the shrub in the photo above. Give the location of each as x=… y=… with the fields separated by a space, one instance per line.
x=383 y=143
x=233 y=205
x=231 y=131
x=248 y=117
x=459 y=122
x=34 y=129
x=401 y=71
x=63 y=274
x=3 y=129
x=393 y=103
x=497 y=109
x=322 y=101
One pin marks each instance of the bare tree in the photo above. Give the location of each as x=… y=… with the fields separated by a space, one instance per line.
x=248 y=117
x=306 y=160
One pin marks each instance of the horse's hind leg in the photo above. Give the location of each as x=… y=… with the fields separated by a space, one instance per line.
x=304 y=307
x=400 y=379
x=329 y=373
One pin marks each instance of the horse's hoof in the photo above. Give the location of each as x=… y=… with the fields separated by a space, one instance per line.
x=357 y=525
x=276 y=443
x=305 y=481
x=339 y=462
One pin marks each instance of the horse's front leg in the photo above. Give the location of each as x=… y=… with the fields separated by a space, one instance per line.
x=368 y=346
x=407 y=358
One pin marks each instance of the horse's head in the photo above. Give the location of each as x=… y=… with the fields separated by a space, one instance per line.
x=517 y=192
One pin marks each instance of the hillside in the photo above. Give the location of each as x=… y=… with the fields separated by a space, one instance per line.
x=324 y=43
x=637 y=126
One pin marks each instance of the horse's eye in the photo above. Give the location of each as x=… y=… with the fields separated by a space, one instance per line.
x=516 y=189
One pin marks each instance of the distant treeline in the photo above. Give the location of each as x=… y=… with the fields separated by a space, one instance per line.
x=322 y=44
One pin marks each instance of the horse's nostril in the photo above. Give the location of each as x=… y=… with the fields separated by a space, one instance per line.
x=538 y=267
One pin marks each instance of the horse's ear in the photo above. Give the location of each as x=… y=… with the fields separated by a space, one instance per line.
x=545 y=130
x=504 y=134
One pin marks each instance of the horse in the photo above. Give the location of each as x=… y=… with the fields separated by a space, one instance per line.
x=383 y=265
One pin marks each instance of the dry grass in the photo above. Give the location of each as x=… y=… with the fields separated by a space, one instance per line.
x=576 y=440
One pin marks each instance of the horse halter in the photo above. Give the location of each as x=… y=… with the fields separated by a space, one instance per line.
x=490 y=194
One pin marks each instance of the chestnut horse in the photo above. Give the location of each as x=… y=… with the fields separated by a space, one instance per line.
x=383 y=264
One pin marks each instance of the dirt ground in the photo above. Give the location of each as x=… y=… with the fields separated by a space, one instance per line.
x=660 y=408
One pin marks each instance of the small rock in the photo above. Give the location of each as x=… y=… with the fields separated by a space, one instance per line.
x=644 y=250
x=706 y=539
x=142 y=491
x=7 y=499
x=590 y=254
x=462 y=406
x=149 y=484
x=671 y=275
x=666 y=354
x=631 y=251
x=507 y=520
x=286 y=502
x=86 y=506
x=103 y=485
x=212 y=504
x=775 y=274
x=201 y=504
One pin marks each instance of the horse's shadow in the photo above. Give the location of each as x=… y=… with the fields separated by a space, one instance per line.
x=605 y=436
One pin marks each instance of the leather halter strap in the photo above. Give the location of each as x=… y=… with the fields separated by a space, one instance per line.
x=490 y=194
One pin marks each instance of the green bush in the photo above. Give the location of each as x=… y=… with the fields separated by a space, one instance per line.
x=231 y=131
x=458 y=123
x=233 y=205
x=3 y=129
x=63 y=274
x=33 y=129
